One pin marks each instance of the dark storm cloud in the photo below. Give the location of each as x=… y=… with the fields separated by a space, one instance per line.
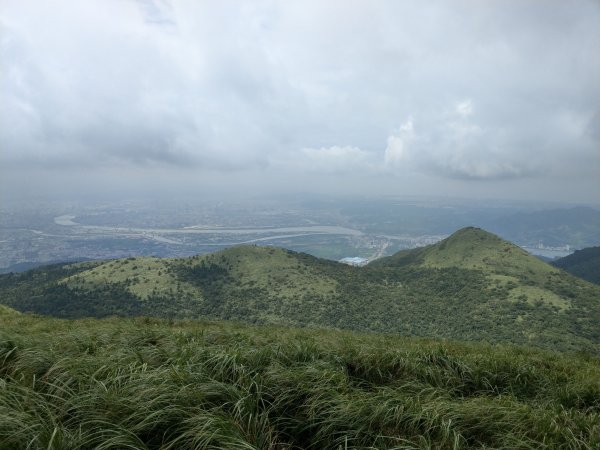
x=384 y=90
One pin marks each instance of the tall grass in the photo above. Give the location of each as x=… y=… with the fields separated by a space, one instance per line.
x=151 y=384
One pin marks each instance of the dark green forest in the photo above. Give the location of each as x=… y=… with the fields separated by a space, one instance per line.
x=584 y=263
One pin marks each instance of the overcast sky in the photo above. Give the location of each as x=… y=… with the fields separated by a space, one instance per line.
x=466 y=98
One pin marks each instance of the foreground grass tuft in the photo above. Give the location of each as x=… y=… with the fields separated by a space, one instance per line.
x=152 y=384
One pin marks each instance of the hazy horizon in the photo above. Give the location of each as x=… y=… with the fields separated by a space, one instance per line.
x=118 y=99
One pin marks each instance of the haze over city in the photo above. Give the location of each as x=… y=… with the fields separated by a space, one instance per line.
x=493 y=99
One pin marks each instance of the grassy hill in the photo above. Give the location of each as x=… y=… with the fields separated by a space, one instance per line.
x=505 y=266
x=583 y=263
x=474 y=248
x=471 y=286
x=162 y=384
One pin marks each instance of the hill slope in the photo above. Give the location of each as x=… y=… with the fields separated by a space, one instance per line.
x=6 y=311
x=472 y=286
x=146 y=383
x=584 y=263
x=505 y=266
x=472 y=248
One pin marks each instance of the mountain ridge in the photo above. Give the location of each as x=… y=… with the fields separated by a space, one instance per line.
x=471 y=286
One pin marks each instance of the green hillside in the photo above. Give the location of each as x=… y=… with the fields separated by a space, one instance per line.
x=162 y=384
x=474 y=248
x=6 y=311
x=583 y=263
x=505 y=265
x=471 y=286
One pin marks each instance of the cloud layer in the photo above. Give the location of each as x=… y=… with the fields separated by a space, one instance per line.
x=493 y=91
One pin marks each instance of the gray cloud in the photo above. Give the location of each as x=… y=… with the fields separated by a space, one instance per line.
x=455 y=145
x=474 y=92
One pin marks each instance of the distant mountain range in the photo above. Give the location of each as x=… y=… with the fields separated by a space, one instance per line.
x=578 y=226
x=470 y=286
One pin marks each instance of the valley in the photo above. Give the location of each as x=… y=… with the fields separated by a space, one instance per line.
x=334 y=229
